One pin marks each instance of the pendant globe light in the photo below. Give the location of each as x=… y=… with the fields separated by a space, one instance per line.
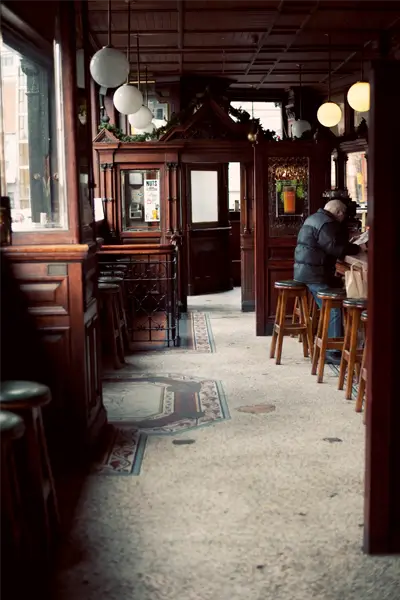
x=329 y=113
x=128 y=98
x=143 y=117
x=109 y=67
x=359 y=93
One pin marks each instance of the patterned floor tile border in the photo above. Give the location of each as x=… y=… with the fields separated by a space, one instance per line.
x=203 y=339
x=188 y=403
x=124 y=453
x=335 y=370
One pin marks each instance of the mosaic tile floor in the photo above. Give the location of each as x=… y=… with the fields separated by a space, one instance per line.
x=140 y=406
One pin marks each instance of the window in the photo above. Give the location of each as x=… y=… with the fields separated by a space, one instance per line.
x=234 y=186
x=269 y=113
x=141 y=199
x=204 y=195
x=33 y=149
x=7 y=59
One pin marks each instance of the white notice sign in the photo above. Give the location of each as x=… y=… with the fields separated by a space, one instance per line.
x=151 y=200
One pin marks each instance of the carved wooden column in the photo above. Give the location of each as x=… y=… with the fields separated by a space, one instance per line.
x=108 y=196
x=247 y=238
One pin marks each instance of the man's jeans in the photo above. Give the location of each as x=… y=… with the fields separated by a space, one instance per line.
x=335 y=328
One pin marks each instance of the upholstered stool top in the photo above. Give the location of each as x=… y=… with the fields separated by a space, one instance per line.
x=112 y=266
x=11 y=426
x=355 y=303
x=17 y=395
x=112 y=273
x=332 y=294
x=290 y=284
x=111 y=279
x=364 y=315
x=108 y=287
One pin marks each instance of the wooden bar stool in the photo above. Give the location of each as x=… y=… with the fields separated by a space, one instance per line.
x=11 y=428
x=119 y=281
x=26 y=399
x=113 y=342
x=313 y=313
x=363 y=371
x=352 y=354
x=287 y=290
x=330 y=299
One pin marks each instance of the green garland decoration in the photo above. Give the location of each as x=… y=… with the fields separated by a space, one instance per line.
x=242 y=116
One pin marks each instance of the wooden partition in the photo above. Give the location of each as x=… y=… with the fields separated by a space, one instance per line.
x=207 y=140
x=277 y=166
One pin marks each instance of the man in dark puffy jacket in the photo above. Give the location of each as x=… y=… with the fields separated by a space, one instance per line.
x=322 y=240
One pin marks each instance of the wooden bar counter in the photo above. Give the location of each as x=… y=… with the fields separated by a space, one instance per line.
x=360 y=261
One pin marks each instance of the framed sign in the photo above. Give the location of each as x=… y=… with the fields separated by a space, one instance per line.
x=152 y=200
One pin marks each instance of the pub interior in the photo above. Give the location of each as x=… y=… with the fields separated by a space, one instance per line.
x=153 y=153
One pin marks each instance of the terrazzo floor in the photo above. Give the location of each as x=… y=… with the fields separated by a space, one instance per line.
x=265 y=505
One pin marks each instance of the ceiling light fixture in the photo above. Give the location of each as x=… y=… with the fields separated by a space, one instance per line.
x=109 y=67
x=128 y=99
x=358 y=95
x=329 y=113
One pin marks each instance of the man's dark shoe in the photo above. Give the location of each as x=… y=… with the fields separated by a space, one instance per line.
x=333 y=357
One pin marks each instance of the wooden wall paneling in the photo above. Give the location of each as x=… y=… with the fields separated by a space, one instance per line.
x=382 y=482
x=247 y=237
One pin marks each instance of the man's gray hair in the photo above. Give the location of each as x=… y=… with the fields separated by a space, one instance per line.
x=336 y=207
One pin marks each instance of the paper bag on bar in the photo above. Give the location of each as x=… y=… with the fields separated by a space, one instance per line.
x=356 y=283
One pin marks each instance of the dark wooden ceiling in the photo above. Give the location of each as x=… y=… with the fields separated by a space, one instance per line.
x=258 y=44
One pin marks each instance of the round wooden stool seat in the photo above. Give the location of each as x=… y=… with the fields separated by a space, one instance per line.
x=22 y=395
x=289 y=290
x=110 y=279
x=11 y=426
x=360 y=303
x=108 y=288
x=290 y=284
x=38 y=493
x=333 y=294
x=352 y=354
x=112 y=273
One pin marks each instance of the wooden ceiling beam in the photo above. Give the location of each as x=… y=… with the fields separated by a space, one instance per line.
x=288 y=31
x=372 y=7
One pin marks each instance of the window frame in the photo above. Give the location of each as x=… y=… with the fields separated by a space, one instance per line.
x=25 y=40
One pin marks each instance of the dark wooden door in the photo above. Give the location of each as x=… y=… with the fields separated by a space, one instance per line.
x=208 y=229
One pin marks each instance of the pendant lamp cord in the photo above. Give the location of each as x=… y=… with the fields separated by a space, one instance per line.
x=362 y=62
x=146 y=89
x=329 y=67
x=301 y=95
x=138 y=62
x=128 y=49
x=109 y=22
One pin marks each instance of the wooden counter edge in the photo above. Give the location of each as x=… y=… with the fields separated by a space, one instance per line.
x=68 y=252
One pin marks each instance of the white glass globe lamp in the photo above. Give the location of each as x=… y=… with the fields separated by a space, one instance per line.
x=109 y=67
x=128 y=99
x=358 y=96
x=141 y=119
x=329 y=114
x=299 y=127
